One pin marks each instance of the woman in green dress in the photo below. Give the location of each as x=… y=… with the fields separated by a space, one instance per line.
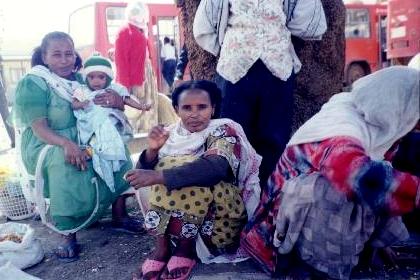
x=49 y=139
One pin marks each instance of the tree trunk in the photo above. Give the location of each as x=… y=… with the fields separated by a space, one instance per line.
x=202 y=64
x=323 y=62
x=4 y=110
x=322 y=70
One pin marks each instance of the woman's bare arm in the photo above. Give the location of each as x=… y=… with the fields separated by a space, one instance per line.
x=137 y=105
x=72 y=152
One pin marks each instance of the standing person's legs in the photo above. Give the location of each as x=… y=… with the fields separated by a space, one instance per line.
x=239 y=103
x=262 y=104
x=274 y=122
x=171 y=71
x=167 y=71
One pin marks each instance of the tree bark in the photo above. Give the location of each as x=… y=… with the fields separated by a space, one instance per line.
x=322 y=70
x=323 y=62
x=202 y=64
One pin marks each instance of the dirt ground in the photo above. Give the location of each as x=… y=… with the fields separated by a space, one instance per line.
x=106 y=254
x=109 y=254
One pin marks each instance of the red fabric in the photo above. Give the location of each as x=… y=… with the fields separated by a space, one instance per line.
x=342 y=161
x=341 y=165
x=130 y=56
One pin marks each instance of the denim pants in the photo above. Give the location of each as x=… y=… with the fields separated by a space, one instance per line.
x=168 y=71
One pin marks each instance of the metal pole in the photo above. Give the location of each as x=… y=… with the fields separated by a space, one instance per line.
x=4 y=110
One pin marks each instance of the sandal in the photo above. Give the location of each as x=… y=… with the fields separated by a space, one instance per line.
x=176 y=262
x=148 y=266
x=72 y=248
x=128 y=225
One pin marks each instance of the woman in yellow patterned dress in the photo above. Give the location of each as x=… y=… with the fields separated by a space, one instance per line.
x=204 y=178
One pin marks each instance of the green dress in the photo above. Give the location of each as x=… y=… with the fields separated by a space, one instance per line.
x=71 y=192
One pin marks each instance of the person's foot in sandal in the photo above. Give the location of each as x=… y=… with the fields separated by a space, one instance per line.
x=182 y=262
x=69 y=249
x=128 y=224
x=121 y=221
x=153 y=266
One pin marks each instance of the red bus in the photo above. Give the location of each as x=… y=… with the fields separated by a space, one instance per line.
x=378 y=35
x=94 y=27
x=365 y=32
x=403 y=40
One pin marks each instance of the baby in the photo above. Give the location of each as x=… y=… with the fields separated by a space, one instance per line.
x=98 y=75
x=102 y=130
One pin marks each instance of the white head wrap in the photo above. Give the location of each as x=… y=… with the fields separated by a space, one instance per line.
x=137 y=14
x=415 y=62
x=380 y=109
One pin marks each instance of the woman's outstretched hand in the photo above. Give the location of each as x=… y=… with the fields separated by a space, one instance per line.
x=157 y=138
x=139 y=178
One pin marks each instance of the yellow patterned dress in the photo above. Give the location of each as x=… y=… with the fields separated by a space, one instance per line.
x=216 y=213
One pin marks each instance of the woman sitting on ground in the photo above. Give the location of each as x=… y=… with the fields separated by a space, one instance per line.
x=78 y=197
x=334 y=193
x=205 y=181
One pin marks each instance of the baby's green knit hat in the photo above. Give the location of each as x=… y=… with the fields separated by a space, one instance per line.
x=98 y=63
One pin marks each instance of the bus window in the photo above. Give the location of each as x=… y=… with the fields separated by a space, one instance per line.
x=81 y=26
x=357 y=23
x=115 y=18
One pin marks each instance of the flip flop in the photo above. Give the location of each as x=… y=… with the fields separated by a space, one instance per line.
x=148 y=266
x=72 y=248
x=180 y=262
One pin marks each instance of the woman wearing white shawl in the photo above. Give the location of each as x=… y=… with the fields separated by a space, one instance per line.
x=50 y=147
x=205 y=181
x=333 y=192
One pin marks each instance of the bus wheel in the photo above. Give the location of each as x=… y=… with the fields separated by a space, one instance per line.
x=355 y=72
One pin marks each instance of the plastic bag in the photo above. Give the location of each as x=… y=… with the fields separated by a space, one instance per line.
x=24 y=251
x=11 y=272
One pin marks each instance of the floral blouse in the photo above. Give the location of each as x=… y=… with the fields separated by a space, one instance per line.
x=257 y=30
